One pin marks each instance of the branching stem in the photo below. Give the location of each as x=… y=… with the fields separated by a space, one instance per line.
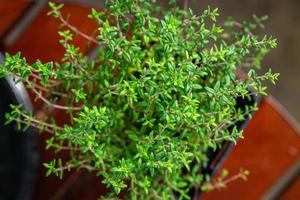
x=74 y=29
x=40 y=96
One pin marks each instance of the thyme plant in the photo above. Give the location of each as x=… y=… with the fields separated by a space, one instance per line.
x=161 y=92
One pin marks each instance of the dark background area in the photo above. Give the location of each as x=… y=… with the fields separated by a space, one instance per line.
x=283 y=24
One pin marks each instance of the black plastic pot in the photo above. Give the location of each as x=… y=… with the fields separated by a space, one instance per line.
x=19 y=153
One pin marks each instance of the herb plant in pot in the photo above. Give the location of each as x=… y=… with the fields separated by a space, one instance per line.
x=160 y=95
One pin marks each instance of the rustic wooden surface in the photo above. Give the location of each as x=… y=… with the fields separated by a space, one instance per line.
x=270 y=147
x=293 y=192
x=10 y=11
x=40 y=40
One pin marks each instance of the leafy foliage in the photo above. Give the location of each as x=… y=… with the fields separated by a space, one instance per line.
x=161 y=92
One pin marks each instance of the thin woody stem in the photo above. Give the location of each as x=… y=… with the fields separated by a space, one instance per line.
x=223 y=182
x=69 y=148
x=40 y=96
x=34 y=125
x=53 y=82
x=186 y=5
x=47 y=90
x=39 y=122
x=74 y=29
x=35 y=85
x=239 y=25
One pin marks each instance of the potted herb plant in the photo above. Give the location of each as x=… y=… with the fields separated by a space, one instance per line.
x=159 y=98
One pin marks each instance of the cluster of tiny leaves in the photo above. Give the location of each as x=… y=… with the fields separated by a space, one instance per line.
x=160 y=93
